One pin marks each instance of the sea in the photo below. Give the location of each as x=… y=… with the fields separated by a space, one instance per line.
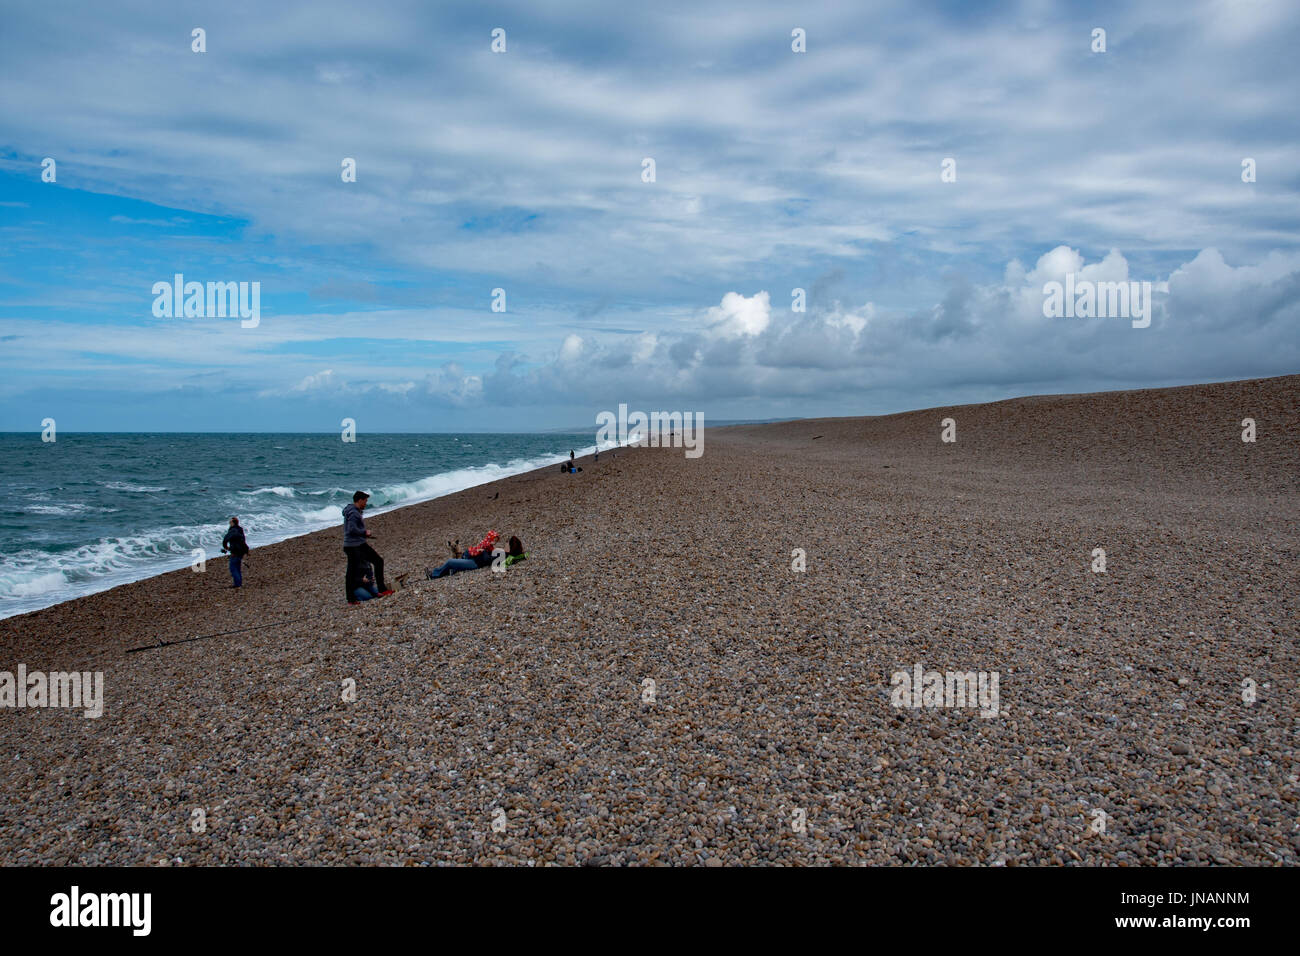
x=87 y=512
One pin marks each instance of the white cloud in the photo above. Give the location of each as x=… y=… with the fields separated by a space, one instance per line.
x=976 y=334
x=738 y=316
x=771 y=167
x=325 y=381
x=571 y=350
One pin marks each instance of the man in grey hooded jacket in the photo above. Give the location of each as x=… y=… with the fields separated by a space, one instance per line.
x=358 y=551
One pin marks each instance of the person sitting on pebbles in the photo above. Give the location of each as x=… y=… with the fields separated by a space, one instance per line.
x=366 y=590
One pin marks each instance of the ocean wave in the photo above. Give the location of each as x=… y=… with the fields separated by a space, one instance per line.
x=326 y=514
x=124 y=486
x=388 y=497
x=32 y=583
x=68 y=510
x=280 y=490
x=332 y=491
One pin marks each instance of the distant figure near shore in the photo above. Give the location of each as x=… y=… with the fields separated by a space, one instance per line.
x=234 y=544
x=358 y=550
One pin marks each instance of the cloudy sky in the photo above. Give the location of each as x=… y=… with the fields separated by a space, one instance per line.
x=524 y=170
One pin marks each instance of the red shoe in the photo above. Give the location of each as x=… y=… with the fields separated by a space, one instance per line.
x=385 y=593
x=354 y=603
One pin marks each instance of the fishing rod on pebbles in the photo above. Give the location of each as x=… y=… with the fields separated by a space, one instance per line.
x=401 y=583
x=238 y=630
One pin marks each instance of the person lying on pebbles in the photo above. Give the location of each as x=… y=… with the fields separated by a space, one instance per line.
x=479 y=556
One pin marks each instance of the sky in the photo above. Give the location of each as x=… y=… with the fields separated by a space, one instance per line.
x=920 y=171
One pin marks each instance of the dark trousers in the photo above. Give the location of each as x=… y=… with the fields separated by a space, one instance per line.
x=236 y=569
x=358 y=555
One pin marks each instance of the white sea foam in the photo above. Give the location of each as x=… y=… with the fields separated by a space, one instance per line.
x=280 y=490
x=71 y=508
x=326 y=514
x=32 y=584
x=388 y=497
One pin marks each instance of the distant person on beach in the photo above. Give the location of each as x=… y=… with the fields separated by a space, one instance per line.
x=515 y=552
x=235 y=545
x=358 y=551
x=367 y=589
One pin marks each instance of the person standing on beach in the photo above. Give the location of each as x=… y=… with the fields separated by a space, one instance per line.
x=235 y=545
x=358 y=550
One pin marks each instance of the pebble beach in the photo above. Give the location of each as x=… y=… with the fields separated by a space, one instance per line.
x=659 y=683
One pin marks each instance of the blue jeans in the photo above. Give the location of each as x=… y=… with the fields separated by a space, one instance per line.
x=365 y=593
x=454 y=565
x=236 y=570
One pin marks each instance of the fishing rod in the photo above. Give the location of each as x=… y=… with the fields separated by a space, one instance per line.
x=239 y=630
